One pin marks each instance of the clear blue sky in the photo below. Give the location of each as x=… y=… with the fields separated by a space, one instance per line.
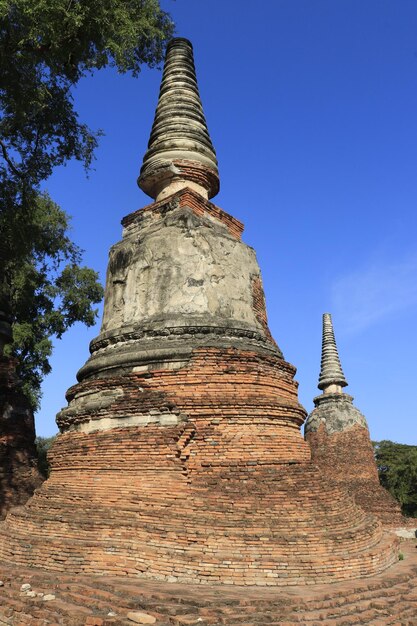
x=312 y=108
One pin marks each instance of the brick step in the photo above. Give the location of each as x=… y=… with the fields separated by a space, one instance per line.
x=355 y=615
x=389 y=599
x=359 y=609
x=390 y=595
x=173 y=517
x=171 y=531
x=36 y=612
x=166 y=607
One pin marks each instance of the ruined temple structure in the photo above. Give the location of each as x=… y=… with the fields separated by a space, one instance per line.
x=19 y=475
x=180 y=456
x=339 y=438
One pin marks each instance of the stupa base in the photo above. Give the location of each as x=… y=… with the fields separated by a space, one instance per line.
x=208 y=481
x=347 y=459
x=261 y=524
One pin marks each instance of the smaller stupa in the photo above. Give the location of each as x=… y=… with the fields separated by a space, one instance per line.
x=19 y=475
x=339 y=438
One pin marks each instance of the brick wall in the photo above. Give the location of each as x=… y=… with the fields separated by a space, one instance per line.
x=227 y=494
x=200 y=206
x=259 y=306
x=347 y=459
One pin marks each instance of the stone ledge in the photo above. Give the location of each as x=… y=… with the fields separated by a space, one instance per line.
x=129 y=421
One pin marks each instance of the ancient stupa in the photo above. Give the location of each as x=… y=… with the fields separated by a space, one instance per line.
x=180 y=455
x=19 y=475
x=339 y=438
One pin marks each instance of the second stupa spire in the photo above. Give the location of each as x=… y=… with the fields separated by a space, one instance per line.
x=180 y=152
x=331 y=373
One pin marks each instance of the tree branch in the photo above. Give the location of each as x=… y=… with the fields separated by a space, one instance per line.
x=9 y=161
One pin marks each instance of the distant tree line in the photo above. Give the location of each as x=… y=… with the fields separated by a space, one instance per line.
x=42 y=445
x=397 y=468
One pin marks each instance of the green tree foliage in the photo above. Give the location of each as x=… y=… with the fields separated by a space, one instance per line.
x=46 y=46
x=397 y=467
x=48 y=288
x=42 y=446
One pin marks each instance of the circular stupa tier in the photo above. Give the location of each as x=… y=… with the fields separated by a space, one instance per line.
x=181 y=278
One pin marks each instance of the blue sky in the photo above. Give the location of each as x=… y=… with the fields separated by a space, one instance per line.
x=312 y=108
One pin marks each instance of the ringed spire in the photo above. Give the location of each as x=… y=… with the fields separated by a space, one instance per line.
x=331 y=373
x=180 y=152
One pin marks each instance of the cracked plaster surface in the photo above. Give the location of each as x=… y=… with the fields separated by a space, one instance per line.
x=185 y=268
x=336 y=412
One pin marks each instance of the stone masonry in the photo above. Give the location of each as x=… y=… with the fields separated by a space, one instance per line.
x=339 y=438
x=180 y=456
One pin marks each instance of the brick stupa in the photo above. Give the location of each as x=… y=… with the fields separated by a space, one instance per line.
x=180 y=455
x=339 y=438
x=19 y=475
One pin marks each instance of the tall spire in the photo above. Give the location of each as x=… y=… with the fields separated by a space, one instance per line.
x=180 y=152
x=331 y=377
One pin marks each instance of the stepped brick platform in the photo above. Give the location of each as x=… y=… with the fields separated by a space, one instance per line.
x=340 y=442
x=180 y=456
x=388 y=599
x=227 y=494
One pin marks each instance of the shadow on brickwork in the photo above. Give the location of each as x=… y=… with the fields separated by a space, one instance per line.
x=19 y=475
